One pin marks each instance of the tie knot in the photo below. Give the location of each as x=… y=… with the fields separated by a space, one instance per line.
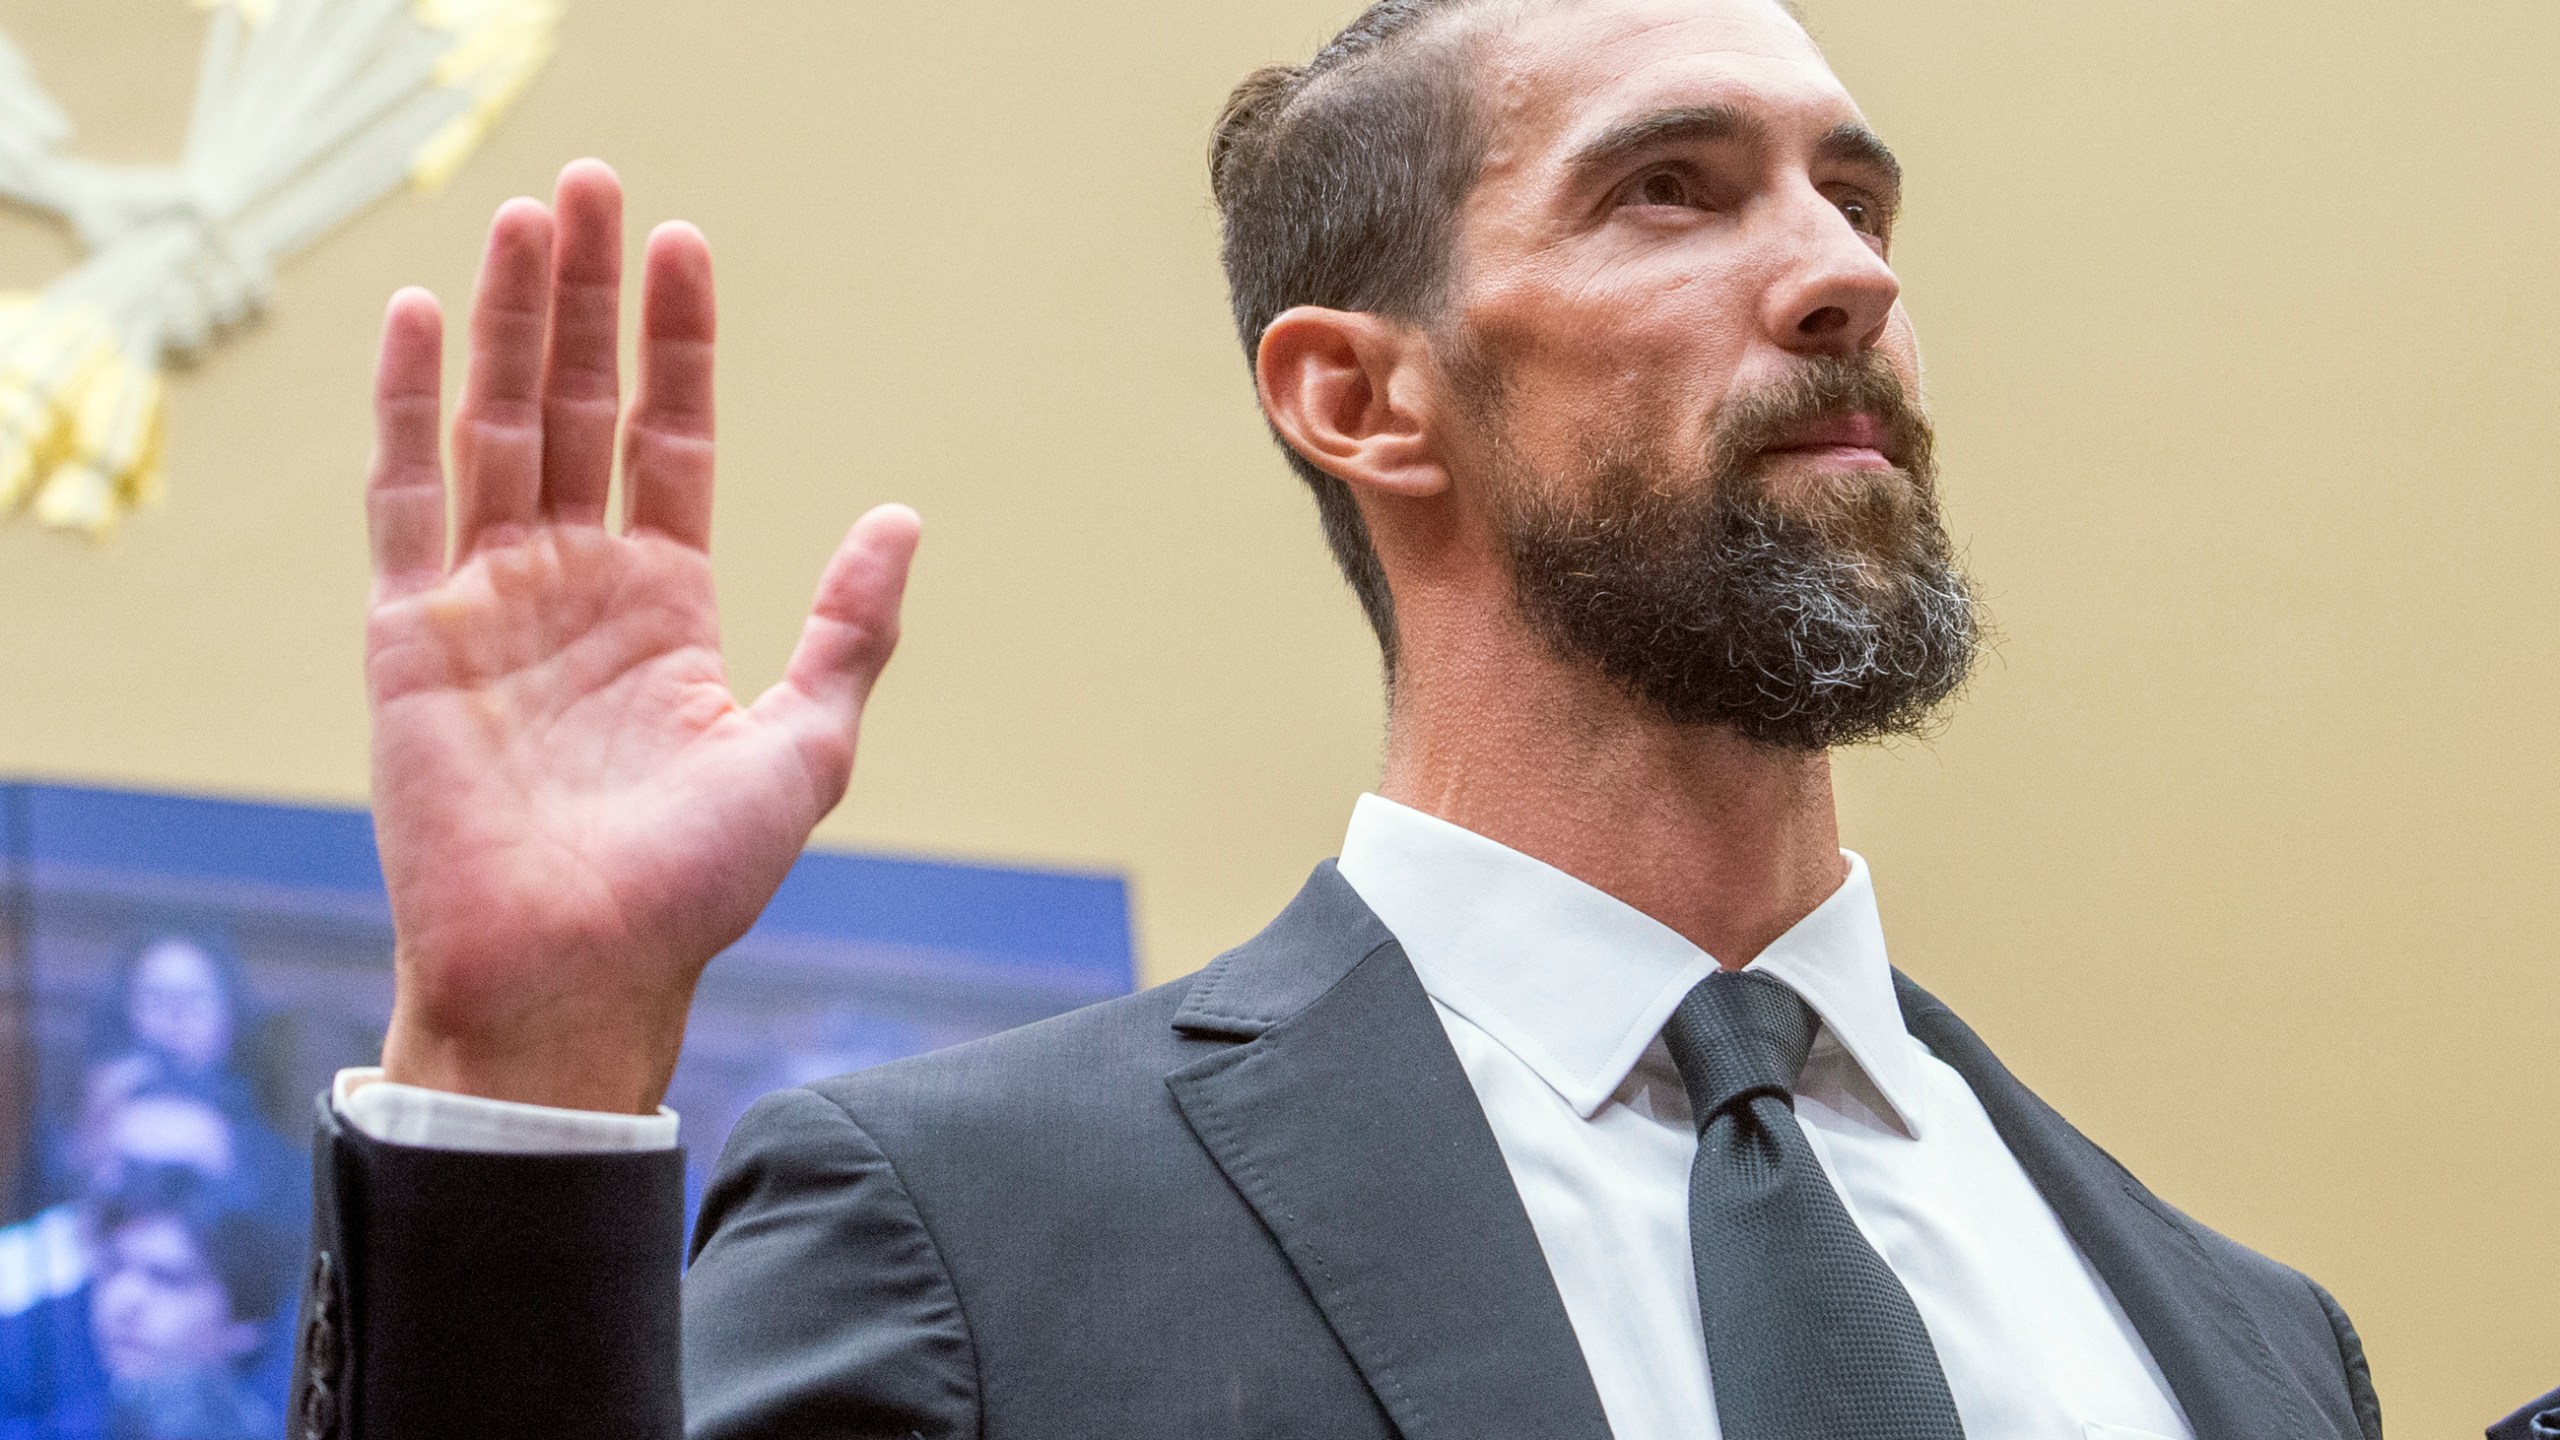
x=1737 y=1035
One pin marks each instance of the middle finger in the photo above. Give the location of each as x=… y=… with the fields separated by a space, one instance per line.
x=497 y=434
x=581 y=383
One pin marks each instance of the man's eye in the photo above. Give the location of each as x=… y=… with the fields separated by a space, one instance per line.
x=1662 y=187
x=1864 y=216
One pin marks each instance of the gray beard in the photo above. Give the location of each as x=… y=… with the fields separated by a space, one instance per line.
x=1837 y=619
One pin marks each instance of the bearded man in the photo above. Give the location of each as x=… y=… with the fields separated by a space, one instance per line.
x=1578 y=1099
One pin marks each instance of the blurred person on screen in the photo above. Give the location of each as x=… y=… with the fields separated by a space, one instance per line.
x=46 y=1256
x=159 y=1123
x=179 y=1007
x=189 y=1275
x=182 y=998
x=164 y=1343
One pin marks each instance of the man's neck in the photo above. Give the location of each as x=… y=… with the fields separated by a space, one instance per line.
x=1726 y=842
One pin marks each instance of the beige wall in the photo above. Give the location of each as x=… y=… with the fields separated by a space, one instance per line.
x=2239 y=327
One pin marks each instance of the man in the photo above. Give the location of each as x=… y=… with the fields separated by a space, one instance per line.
x=188 y=1278
x=133 y=1119
x=1579 y=1099
x=191 y=1272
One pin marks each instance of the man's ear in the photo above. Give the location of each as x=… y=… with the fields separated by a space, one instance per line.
x=1348 y=391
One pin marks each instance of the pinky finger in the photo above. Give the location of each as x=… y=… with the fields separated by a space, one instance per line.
x=404 y=494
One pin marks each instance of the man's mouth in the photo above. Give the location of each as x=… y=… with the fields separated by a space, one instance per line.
x=1859 y=440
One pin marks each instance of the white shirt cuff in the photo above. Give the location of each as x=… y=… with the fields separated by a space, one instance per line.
x=441 y=1120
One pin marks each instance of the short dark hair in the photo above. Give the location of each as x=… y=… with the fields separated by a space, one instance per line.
x=248 y=1252
x=1339 y=183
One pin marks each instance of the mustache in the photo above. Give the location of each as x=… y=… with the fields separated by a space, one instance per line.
x=1826 y=387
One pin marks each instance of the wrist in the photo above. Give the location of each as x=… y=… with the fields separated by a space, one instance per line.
x=555 y=1070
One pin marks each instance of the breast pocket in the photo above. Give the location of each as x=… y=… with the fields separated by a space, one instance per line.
x=2096 y=1431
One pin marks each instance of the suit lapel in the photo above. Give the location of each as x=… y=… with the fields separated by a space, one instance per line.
x=1347 y=1124
x=2212 y=1353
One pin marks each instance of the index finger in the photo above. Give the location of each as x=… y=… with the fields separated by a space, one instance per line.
x=404 y=493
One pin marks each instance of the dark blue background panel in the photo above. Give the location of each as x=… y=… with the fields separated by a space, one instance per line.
x=1071 y=927
x=278 y=911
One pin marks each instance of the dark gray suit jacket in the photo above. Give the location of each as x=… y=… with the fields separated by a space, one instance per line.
x=1261 y=1201
x=2537 y=1421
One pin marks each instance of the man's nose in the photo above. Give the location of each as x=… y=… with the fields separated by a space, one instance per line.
x=1834 y=293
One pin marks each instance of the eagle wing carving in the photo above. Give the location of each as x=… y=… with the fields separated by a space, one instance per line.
x=306 y=111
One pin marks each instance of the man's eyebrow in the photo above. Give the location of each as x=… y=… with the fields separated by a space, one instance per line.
x=1687 y=125
x=1851 y=143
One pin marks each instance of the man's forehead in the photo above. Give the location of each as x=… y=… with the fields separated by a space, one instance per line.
x=1556 y=73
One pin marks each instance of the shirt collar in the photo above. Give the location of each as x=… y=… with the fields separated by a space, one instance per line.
x=1577 y=983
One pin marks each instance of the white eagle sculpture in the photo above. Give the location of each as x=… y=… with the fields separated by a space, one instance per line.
x=305 y=112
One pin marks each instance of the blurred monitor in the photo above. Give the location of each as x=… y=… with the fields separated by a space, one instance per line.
x=180 y=977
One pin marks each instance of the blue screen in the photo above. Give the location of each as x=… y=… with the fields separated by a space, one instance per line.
x=180 y=977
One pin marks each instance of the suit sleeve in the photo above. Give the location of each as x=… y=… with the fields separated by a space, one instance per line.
x=497 y=1296
x=2351 y=1356
x=818 y=1302
x=2537 y=1421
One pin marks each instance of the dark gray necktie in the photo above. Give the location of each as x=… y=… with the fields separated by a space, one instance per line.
x=1809 y=1334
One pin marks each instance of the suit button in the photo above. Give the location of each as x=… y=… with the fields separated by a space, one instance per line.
x=315 y=1410
x=316 y=1417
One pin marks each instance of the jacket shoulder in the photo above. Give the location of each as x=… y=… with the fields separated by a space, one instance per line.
x=2165 y=1267
x=844 y=1214
x=1094 y=1072
x=2303 y=1321
x=1116 y=1036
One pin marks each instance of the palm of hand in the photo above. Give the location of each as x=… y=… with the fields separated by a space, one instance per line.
x=574 y=813
x=564 y=771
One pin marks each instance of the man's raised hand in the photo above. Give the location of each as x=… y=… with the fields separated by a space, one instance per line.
x=574 y=813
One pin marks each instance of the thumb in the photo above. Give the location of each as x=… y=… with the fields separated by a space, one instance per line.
x=851 y=630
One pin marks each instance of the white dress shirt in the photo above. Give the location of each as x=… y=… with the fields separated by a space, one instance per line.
x=440 y=1120
x=1554 y=995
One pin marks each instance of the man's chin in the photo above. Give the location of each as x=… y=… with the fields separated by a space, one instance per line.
x=1861 y=513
